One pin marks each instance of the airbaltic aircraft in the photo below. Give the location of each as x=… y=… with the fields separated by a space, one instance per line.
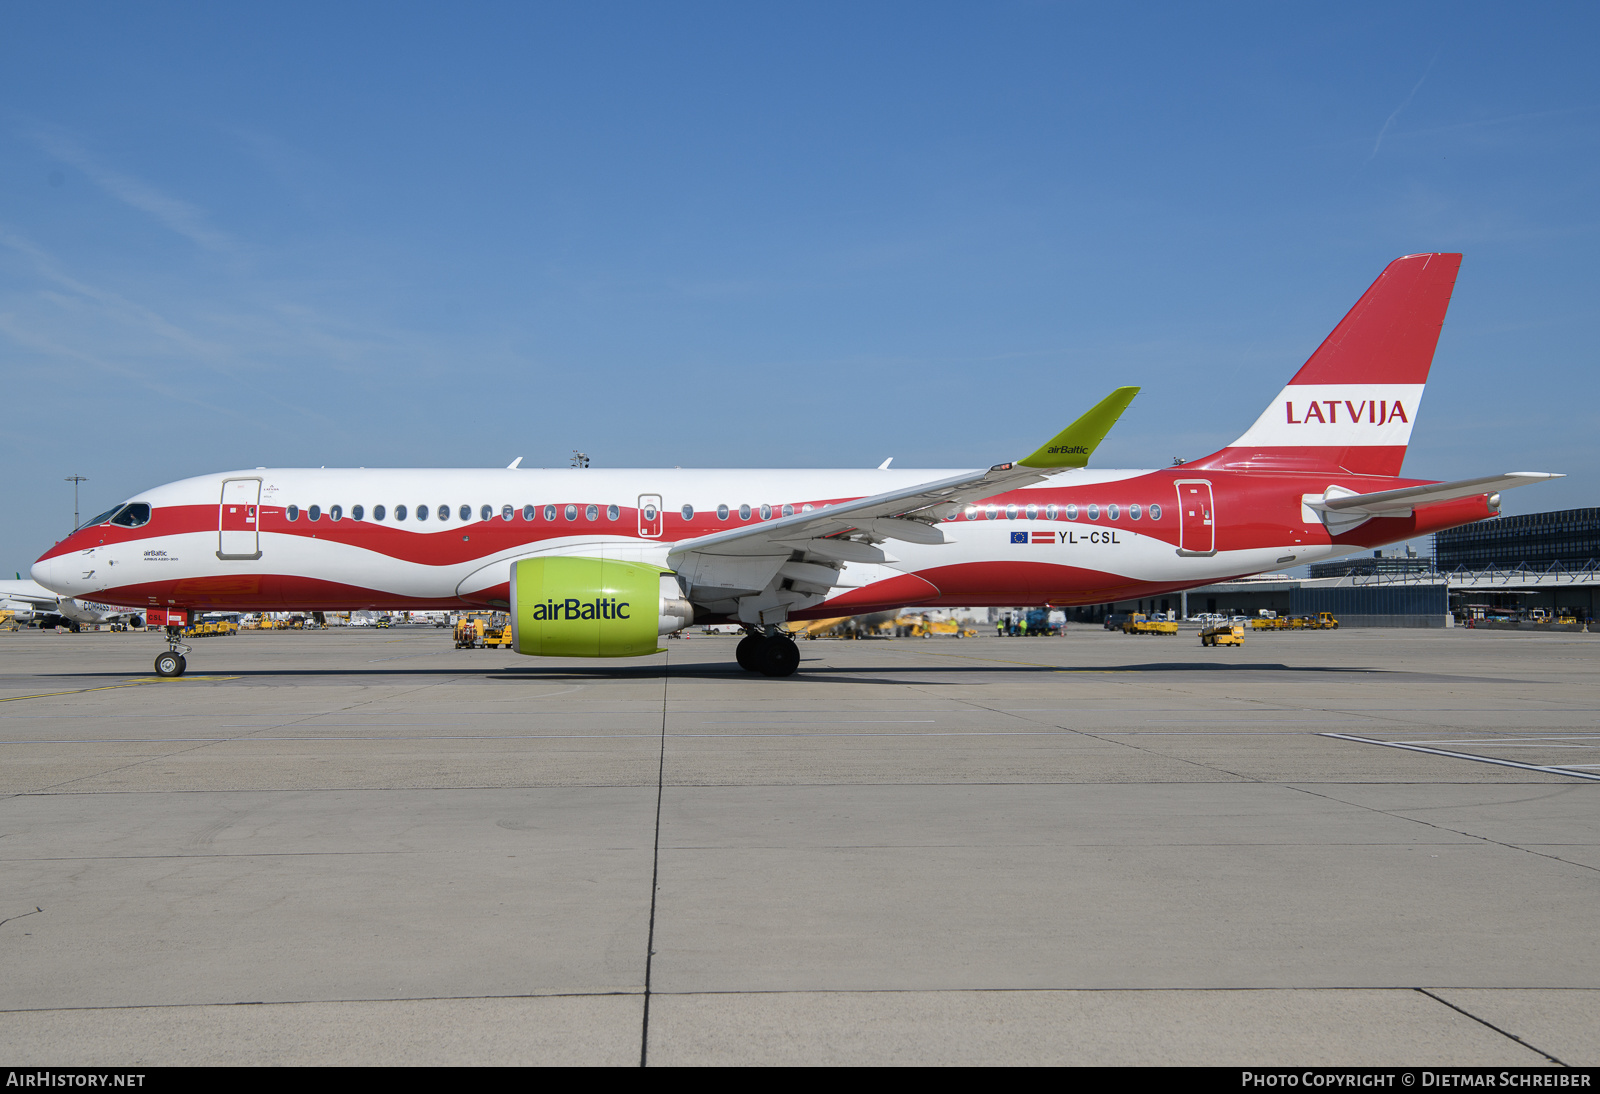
x=602 y=563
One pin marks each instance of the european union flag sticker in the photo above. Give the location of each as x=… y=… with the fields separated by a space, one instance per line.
x=1019 y=537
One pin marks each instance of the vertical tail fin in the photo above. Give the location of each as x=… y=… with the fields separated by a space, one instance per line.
x=1350 y=408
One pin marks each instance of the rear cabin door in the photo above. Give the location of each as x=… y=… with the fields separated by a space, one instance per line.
x=650 y=516
x=1197 y=526
x=238 y=519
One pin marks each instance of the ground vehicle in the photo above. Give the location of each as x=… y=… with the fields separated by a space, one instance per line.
x=1229 y=634
x=1139 y=623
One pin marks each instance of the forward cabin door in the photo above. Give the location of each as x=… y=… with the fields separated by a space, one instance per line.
x=650 y=516
x=1197 y=525
x=238 y=519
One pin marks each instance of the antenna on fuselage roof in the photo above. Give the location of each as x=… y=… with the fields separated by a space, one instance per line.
x=579 y=459
x=512 y=466
x=884 y=466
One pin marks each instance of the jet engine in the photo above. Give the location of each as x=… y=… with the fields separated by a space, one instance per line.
x=593 y=607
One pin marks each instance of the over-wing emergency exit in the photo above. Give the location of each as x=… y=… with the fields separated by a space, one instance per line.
x=602 y=563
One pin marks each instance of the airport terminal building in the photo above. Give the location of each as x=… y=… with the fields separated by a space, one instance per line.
x=1568 y=537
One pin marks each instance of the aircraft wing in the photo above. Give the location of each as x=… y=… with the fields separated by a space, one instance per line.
x=1399 y=503
x=741 y=562
x=29 y=595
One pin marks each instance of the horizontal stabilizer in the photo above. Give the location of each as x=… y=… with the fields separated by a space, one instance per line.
x=1402 y=501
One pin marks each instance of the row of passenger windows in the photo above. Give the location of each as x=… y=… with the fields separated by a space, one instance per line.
x=527 y=512
x=1070 y=511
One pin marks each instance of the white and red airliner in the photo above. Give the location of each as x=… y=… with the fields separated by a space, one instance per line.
x=1317 y=475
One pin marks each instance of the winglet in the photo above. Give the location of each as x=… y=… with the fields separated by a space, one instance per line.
x=1074 y=444
x=512 y=466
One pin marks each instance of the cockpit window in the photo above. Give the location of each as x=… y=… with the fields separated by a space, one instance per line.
x=133 y=516
x=101 y=519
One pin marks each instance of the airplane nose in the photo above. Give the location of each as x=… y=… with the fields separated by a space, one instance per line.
x=46 y=572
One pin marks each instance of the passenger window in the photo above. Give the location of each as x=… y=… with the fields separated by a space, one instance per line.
x=1155 y=512
x=506 y=512
x=744 y=512
x=530 y=512
x=1072 y=512
x=766 y=512
x=722 y=512
x=378 y=514
x=990 y=512
x=572 y=512
x=613 y=513
x=1113 y=511
x=688 y=512
x=807 y=507
x=788 y=510
x=315 y=512
x=444 y=512
x=487 y=512
x=357 y=512
x=1094 y=512
x=1033 y=512
x=466 y=512
x=399 y=512
x=1134 y=511
x=972 y=512
x=591 y=512
x=336 y=513
x=422 y=512
x=133 y=516
x=293 y=512
x=1051 y=512
x=549 y=512
x=1011 y=512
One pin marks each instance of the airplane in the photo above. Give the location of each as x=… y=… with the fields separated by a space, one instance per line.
x=27 y=600
x=602 y=563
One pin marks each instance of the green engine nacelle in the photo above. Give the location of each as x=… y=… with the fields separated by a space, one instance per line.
x=592 y=607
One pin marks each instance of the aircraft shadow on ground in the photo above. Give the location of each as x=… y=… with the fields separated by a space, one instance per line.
x=853 y=674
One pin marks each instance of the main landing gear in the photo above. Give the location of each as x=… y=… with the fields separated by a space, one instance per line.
x=771 y=654
x=172 y=663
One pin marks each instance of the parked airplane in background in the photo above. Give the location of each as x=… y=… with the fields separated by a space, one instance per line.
x=28 y=600
x=601 y=563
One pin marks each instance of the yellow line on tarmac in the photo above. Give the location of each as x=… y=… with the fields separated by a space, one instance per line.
x=108 y=687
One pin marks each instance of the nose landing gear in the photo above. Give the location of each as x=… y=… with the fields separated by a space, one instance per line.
x=771 y=654
x=172 y=663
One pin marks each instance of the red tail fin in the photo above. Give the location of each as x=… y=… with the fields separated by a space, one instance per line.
x=1350 y=408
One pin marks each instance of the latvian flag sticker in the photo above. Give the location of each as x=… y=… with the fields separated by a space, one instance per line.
x=1037 y=537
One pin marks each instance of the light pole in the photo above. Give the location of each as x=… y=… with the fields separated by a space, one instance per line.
x=75 y=480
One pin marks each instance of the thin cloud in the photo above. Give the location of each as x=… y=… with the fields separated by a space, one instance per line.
x=1388 y=122
x=134 y=321
x=189 y=221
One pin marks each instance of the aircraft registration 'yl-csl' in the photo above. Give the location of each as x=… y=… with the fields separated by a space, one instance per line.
x=602 y=563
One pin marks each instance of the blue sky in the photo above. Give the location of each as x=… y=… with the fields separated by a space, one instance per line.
x=765 y=235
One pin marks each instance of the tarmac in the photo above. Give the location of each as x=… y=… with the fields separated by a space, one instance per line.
x=367 y=847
